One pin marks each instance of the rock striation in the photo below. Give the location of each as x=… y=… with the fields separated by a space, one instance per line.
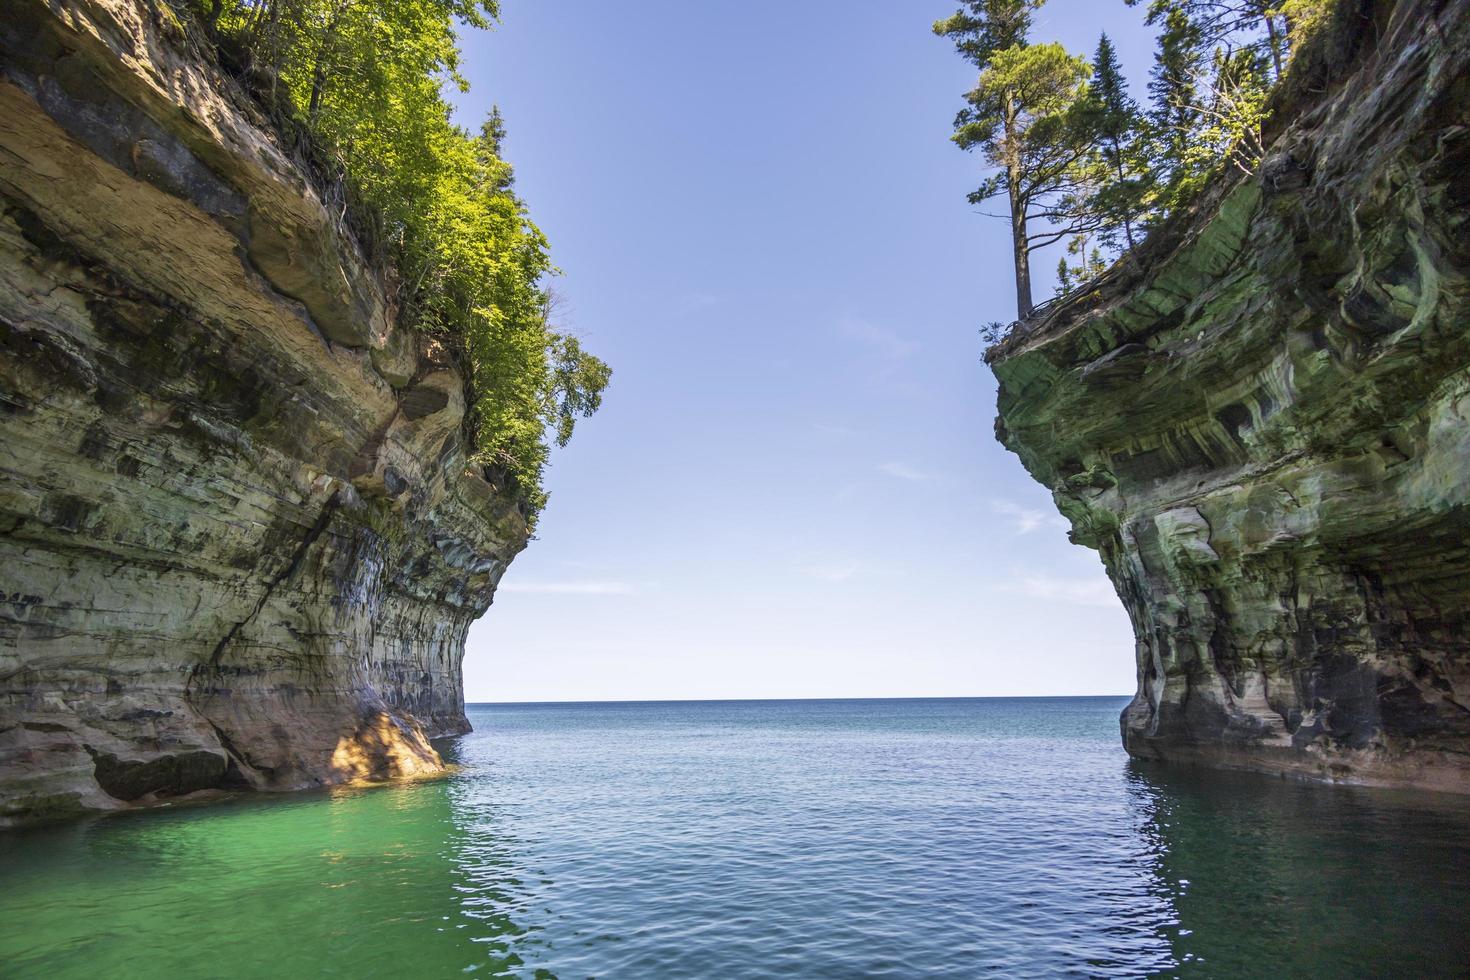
x=1262 y=423
x=239 y=542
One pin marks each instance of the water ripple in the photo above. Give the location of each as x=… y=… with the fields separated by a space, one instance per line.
x=955 y=838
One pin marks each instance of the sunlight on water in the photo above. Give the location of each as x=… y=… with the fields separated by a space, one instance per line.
x=872 y=838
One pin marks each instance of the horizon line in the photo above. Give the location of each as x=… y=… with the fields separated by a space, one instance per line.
x=922 y=697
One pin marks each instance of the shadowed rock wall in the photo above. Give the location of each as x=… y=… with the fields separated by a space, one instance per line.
x=239 y=544
x=1262 y=423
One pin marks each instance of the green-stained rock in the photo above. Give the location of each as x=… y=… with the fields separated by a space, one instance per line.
x=1262 y=423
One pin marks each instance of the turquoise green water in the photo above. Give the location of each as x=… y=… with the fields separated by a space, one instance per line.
x=758 y=839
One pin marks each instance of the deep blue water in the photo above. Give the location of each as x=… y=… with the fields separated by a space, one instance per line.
x=961 y=838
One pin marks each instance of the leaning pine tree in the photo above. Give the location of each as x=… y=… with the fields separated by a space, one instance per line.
x=980 y=30
x=1026 y=117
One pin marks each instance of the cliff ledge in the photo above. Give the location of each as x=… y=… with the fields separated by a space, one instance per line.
x=241 y=546
x=1262 y=423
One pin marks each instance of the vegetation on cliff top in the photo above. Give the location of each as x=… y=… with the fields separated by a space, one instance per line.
x=1077 y=159
x=361 y=84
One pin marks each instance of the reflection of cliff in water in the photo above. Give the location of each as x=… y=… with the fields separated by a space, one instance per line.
x=1271 y=876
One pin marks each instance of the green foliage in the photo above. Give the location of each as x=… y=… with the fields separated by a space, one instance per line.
x=980 y=28
x=1232 y=24
x=1231 y=120
x=1076 y=156
x=1027 y=116
x=1217 y=63
x=1083 y=262
x=1304 y=19
x=1022 y=107
x=1022 y=117
x=366 y=79
x=1175 y=87
x=1124 y=182
x=1204 y=118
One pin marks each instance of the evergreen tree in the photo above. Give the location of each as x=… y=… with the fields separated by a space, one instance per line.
x=982 y=27
x=1178 y=64
x=1234 y=24
x=489 y=151
x=1026 y=116
x=1232 y=113
x=1090 y=263
x=1023 y=116
x=1118 y=123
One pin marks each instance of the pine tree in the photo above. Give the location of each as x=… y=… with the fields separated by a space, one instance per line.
x=982 y=27
x=1235 y=24
x=1023 y=116
x=980 y=30
x=1112 y=114
x=1175 y=89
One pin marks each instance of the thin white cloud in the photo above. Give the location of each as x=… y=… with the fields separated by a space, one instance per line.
x=570 y=588
x=833 y=571
x=884 y=341
x=1024 y=520
x=905 y=472
x=1088 y=591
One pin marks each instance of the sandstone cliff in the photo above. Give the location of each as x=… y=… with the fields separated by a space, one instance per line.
x=240 y=545
x=1262 y=423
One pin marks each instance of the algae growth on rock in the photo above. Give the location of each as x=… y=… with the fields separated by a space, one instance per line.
x=1260 y=422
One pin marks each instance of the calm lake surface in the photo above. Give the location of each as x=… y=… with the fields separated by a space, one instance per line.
x=966 y=837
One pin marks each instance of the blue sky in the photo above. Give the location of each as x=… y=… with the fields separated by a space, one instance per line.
x=793 y=489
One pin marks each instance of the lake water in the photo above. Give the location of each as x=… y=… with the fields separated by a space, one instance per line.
x=963 y=838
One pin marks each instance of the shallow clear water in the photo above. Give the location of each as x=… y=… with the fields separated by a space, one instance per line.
x=752 y=839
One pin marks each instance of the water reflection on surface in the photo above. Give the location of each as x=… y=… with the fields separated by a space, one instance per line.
x=946 y=838
x=1303 y=879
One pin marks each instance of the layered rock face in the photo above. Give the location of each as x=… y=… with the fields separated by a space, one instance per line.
x=1262 y=423
x=239 y=544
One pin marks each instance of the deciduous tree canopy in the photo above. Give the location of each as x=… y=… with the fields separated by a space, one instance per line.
x=365 y=79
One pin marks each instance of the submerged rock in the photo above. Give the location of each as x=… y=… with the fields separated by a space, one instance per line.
x=239 y=542
x=1262 y=423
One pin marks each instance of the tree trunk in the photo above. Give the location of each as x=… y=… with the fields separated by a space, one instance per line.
x=1118 y=163
x=1022 y=255
x=318 y=79
x=1019 y=245
x=1273 y=38
x=319 y=70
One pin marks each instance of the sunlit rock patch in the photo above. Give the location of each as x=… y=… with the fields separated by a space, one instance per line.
x=385 y=747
